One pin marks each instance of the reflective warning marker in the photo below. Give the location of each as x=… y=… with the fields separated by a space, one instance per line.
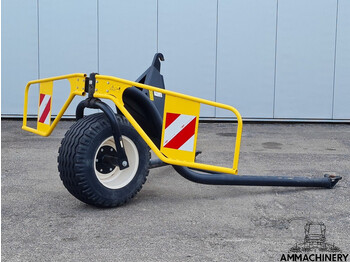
x=179 y=131
x=44 y=109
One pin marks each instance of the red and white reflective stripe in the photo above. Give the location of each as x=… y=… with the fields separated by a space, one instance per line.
x=44 y=109
x=179 y=131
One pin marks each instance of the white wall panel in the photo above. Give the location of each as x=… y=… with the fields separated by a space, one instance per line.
x=305 y=58
x=19 y=51
x=246 y=56
x=127 y=37
x=342 y=67
x=67 y=42
x=187 y=38
x=223 y=50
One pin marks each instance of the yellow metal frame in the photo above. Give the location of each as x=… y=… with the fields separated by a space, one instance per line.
x=77 y=87
x=112 y=88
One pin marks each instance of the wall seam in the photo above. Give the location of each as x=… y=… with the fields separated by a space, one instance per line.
x=335 y=56
x=275 y=67
x=216 y=55
x=38 y=28
x=157 y=26
x=98 y=34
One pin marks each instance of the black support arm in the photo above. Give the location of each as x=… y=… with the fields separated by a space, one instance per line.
x=98 y=104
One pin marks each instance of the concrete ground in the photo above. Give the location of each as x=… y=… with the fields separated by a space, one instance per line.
x=173 y=219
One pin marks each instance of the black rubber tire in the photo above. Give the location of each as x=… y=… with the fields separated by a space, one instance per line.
x=76 y=161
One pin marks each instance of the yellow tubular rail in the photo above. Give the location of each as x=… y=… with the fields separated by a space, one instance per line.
x=112 y=88
x=77 y=82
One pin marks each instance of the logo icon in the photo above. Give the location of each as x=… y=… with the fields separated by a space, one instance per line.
x=314 y=240
x=315 y=246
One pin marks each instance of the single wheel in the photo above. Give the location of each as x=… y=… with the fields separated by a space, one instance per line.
x=87 y=162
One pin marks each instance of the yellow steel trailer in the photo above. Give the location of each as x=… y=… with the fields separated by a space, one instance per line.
x=104 y=158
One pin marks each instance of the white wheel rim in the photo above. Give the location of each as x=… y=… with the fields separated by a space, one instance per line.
x=119 y=178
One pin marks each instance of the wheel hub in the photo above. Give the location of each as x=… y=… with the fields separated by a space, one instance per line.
x=106 y=163
x=106 y=159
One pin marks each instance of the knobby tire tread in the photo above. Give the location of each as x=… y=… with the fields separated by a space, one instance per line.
x=71 y=153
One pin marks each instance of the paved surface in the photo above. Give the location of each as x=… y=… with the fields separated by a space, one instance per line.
x=172 y=219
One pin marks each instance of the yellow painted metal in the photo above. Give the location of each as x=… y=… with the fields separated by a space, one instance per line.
x=180 y=106
x=112 y=88
x=151 y=95
x=77 y=87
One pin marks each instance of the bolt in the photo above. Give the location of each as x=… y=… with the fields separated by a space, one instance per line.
x=101 y=149
x=111 y=149
x=96 y=89
x=96 y=159
x=110 y=169
x=101 y=170
x=107 y=90
x=124 y=163
x=107 y=83
x=96 y=81
x=77 y=79
x=77 y=87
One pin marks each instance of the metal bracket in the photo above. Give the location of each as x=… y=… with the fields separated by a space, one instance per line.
x=96 y=103
x=153 y=77
x=90 y=84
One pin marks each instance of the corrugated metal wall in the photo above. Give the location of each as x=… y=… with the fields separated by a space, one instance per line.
x=284 y=59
